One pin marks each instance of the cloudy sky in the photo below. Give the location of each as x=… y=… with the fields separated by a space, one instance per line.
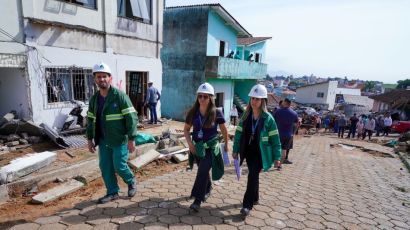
x=365 y=39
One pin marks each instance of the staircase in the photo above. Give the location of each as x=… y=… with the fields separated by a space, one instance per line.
x=241 y=105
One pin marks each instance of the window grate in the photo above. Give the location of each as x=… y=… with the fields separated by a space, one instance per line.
x=65 y=84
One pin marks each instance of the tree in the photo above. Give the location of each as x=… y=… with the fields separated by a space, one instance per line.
x=369 y=86
x=403 y=84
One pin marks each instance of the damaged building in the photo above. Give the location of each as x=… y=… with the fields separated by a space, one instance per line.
x=48 y=49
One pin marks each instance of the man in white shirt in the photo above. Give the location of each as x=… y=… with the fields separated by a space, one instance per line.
x=387 y=124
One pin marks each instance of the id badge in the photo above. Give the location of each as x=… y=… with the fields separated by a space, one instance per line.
x=200 y=134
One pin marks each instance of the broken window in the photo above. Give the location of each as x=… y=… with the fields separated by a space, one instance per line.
x=69 y=83
x=135 y=9
x=86 y=3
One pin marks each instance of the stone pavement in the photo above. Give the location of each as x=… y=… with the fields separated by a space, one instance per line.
x=326 y=187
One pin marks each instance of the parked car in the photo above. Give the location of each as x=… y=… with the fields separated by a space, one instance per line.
x=401 y=126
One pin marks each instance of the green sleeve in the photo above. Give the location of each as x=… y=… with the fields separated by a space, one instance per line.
x=274 y=140
x=237 y=138
x=130 y=116
x=91 y=118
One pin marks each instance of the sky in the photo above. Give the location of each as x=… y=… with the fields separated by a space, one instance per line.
x=360 y=39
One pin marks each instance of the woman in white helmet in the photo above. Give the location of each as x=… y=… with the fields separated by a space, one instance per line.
x=204 y=118
x=257 y=141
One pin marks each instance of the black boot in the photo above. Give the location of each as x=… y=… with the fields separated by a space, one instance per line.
x=132 y=189
x=108 y=198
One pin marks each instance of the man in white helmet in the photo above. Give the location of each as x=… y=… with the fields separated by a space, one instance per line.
x=112 y=122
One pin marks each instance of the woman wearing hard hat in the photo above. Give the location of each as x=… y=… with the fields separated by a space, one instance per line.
x=204 y=118
x=257 y=141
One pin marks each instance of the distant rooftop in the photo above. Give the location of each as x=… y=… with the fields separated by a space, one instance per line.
x=251 y=40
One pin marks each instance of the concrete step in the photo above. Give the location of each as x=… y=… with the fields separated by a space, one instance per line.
x=171 y=149
x=57 y=192
x=25 y=165
x=144 y=159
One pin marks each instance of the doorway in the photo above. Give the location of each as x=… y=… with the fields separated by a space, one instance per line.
x=136 y=90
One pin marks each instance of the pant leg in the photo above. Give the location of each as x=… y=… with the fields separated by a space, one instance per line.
x=154 y=111
x=370 y=133
x=151 y=112
x=353 y=131
x=202 y=181
x=252 y=187
x=120 y=163
x=107 y=168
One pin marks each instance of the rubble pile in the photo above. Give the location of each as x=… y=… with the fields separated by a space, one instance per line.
x=403 y=144
x=13 y=142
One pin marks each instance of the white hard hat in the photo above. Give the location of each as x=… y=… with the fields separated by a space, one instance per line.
x=101 y=68
x=258 y=91
x=206 y=88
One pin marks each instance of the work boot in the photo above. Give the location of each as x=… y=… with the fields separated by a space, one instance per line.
x=245 y=212
x=196 y=205
x=132 y=189
x=286 y=161
x=107 y=198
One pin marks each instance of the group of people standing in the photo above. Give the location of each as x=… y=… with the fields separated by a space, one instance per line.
x=364 y=125
x=112 y=122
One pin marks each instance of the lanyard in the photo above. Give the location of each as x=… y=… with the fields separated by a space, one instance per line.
x=253 y=129
x=200 y=133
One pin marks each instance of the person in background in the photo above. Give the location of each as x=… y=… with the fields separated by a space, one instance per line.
x=379 y=125
x=286 y=119
x=326 y=123
x=369 y=127
x=234 y=115
x=387 y=124
x=342 y=122
x=353 y=126
x=257 y=141
x=152 y=99
x=205 y=118
x=112 y=125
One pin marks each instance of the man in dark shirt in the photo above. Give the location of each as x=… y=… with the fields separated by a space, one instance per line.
x=286 y=119
x=353 y=126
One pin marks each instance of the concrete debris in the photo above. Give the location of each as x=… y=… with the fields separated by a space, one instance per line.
x=13 y=137
x=12 y=143
x=180 y=157
x=57 y=192
x=184 y=142
x=144 y=159
x=23 y=141
x=171 y=149
x=25 y=165
x=19 y=126
x=350 y=148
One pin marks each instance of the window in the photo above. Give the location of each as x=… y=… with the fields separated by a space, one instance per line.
x=135 y=9
x=319 y=94
x=86 y=3
x=221 y=49
x=258 y=57
x=69 y=83
x=137 y=89
x=219 y=101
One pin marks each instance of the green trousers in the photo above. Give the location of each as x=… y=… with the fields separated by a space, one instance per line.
x=114 y=160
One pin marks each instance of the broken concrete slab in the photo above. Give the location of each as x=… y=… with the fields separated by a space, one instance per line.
x=180 y=157
x=25 y=165
x=171 y=149
x=19 y=126
x=144 y=159
x=184 y=150
x=59 y=191
x=184 y=142
x=141 y=149
x=12 y=143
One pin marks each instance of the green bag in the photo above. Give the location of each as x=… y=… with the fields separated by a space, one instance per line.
x=143 y=138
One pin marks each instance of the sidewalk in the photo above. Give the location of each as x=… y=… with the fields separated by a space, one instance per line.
x=325 y=188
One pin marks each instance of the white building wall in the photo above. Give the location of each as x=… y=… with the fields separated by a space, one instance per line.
x=120 y=64
x=308 y=94
x=226 y=87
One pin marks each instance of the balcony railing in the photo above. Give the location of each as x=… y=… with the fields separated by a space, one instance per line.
x=229 y=68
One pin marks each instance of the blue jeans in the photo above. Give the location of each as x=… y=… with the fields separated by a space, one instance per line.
x=153 y=111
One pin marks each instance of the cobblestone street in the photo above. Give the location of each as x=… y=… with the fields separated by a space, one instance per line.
x=327 y=186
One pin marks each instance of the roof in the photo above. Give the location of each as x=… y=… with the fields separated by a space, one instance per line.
x=273 y=101
x=325 y=82
x=358 y=100
x=252 y=40
x=397 y=98
x=218 y=8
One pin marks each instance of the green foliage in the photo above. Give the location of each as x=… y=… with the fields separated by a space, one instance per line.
x=403 y=84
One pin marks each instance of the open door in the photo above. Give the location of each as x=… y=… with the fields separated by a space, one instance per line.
x=136 y=90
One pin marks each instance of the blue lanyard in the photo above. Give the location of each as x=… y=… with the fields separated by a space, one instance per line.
x=254 y=126
x=200 y=121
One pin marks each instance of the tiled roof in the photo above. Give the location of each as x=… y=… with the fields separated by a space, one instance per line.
x=273 y=101
x=399 y=98
x=251 y=40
